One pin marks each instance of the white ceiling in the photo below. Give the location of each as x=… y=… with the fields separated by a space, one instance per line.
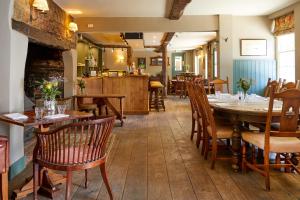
x=157 y=8
x=116 y=8
x=153 y=39
x=190 y=40
x=236 y=7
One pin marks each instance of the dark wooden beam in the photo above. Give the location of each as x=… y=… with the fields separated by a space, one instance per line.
x=165 y=41
x=177 y=9
x=152 y=46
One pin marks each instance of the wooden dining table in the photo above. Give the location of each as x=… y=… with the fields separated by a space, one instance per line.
x=101 y=99
x=238 y=112
x=49 y=179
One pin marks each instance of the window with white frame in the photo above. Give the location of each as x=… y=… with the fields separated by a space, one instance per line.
x=286 y=57
x=197 y=65
x=206 y=65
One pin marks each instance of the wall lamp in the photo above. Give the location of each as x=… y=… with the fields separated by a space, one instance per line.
x=73 y=27
x=41 y=5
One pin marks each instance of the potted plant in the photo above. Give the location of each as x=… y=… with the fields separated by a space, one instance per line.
x=49 y=91
x=81 y=85
x=245 y=85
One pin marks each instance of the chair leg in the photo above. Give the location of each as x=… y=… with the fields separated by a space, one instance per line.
x=85 y=181
x=104 y=177
x=244 y=150
x=193 y=128
x=68 y=185
x=4 y=186
x=214 y=152
x=36 y=174
x=267 y=170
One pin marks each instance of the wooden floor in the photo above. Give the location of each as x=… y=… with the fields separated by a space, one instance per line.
x=153 y=158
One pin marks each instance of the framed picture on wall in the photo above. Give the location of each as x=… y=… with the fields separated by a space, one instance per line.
x=141 y=62
x=157 y=61
x=253 y=47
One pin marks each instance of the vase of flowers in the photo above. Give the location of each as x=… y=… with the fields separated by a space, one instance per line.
x=244 y=85
x=81 y=85
x=49 y=91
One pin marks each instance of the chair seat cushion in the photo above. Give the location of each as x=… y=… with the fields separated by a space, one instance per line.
x=156 y=84
x=277 y=144
x=223 y=131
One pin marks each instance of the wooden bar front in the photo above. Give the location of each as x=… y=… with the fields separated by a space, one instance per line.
x=135 y=89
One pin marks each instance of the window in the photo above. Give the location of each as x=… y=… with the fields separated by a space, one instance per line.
x=178 y=63
x=197 y=65
x=206 y=65
x=215 y=63
x=286 y=57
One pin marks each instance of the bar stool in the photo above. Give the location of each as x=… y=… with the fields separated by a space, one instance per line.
x=157 y=102
x=4 y=168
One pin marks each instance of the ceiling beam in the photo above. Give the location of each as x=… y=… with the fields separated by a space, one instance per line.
x=199 y=23
x=177 y=8
x=115 y=46
x=165 y=41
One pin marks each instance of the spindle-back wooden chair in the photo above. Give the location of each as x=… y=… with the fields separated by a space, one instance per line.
x=196 y=117
x=218 y=85
x=76 y=146
x=283 y=141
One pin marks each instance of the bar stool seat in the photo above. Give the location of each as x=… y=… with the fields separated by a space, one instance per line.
x=156 y=89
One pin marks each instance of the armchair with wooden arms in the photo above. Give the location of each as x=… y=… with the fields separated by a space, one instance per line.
x=77 y=146
x=283 y=141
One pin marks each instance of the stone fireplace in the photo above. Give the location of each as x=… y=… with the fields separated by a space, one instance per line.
x=42 y=63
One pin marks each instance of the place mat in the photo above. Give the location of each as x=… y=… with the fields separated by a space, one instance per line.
x=16 y=116
x=57 y=116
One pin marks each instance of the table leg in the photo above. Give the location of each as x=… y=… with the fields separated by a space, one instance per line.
x=236 y=146
x=115 y=111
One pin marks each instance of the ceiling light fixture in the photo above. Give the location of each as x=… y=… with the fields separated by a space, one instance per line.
x=41 y=5
x=73 y=27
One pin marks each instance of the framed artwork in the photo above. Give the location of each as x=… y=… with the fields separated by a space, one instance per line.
x=157 y=61
x=253 y=47
x=141 y=62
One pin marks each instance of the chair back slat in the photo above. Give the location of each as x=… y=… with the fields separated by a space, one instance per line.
x=76 y=143
x=219 y=84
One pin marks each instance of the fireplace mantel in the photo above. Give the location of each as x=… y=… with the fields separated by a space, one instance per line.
x=50 y=29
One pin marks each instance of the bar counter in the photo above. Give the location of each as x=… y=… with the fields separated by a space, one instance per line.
x=133 y=87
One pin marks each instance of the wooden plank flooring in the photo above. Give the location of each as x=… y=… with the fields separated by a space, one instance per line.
x=153 y=158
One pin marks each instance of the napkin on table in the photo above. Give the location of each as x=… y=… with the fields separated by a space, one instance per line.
x=57 y=116
x=16 y=116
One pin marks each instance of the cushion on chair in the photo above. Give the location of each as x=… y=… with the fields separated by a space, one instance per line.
x=156 y=84
x=223 y=131
x=277 y=144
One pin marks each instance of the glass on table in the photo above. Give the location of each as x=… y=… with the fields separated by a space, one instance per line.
x=61 y=109
x=218 y=94
x=39 y=112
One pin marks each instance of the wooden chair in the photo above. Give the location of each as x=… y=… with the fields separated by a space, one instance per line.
x=180 y=85
x=218 y=85
x=77 y=146
x=4 y=165
x=290 y=85
x=196 y=117
x=213 y=130
x=283 y=141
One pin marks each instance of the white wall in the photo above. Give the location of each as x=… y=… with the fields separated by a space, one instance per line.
x=152 y=70
x=254 y=27
x=12 y=65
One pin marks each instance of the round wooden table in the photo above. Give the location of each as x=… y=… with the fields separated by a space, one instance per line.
x=237 y=112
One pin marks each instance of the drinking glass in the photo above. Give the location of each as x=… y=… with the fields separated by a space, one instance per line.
x=240 y=95
x=39 y=112
x=218 y=94
x=61 y=109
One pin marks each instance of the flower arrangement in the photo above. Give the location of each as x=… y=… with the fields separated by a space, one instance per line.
x=81 y=84
x=244 y=84
x=49 y=89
